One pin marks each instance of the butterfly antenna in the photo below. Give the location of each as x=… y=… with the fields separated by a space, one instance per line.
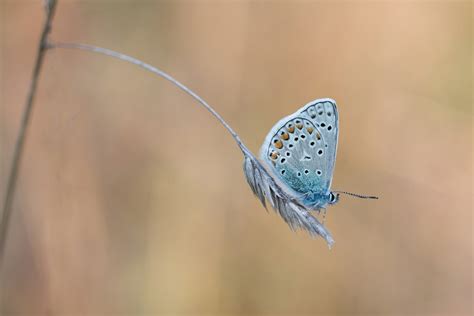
x=358 y=195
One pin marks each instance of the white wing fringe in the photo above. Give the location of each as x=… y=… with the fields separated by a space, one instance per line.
x=296 y=215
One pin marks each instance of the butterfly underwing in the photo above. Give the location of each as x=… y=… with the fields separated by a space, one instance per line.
x=300 y=150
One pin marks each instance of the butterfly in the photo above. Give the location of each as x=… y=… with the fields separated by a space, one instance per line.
x=296 y=166
x=301 y=151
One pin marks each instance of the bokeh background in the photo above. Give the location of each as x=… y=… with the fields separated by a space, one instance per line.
x=131 y=198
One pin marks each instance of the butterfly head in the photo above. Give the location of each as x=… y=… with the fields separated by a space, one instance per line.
x=318 y=201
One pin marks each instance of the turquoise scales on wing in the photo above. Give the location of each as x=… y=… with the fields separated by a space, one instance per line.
x=301 y=151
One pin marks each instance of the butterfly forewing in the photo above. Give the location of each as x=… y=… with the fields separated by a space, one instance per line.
x=301 y=148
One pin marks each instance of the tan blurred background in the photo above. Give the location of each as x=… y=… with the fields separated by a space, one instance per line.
x=131 y=198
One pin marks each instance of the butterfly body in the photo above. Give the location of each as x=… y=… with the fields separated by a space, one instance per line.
x=315 y=200
x=300 y=150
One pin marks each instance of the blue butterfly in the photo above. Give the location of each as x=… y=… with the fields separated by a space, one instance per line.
x=297 y=164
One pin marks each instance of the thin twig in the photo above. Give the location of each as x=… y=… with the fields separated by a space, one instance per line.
x=50 y=7
x=263 y=185
x=161 y=73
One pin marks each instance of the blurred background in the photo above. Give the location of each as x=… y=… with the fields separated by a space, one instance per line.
x=131 y=198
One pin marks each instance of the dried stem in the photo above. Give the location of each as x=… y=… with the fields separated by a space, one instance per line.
x=261 y=182
x=150 y=68
x=50 y=7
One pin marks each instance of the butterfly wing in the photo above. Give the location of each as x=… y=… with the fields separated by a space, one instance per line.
x=301 y=151
x=268 y=188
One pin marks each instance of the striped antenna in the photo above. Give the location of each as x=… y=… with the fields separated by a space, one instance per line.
x=358 y=195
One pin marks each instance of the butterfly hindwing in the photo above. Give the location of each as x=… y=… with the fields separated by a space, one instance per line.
x=301 y=148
